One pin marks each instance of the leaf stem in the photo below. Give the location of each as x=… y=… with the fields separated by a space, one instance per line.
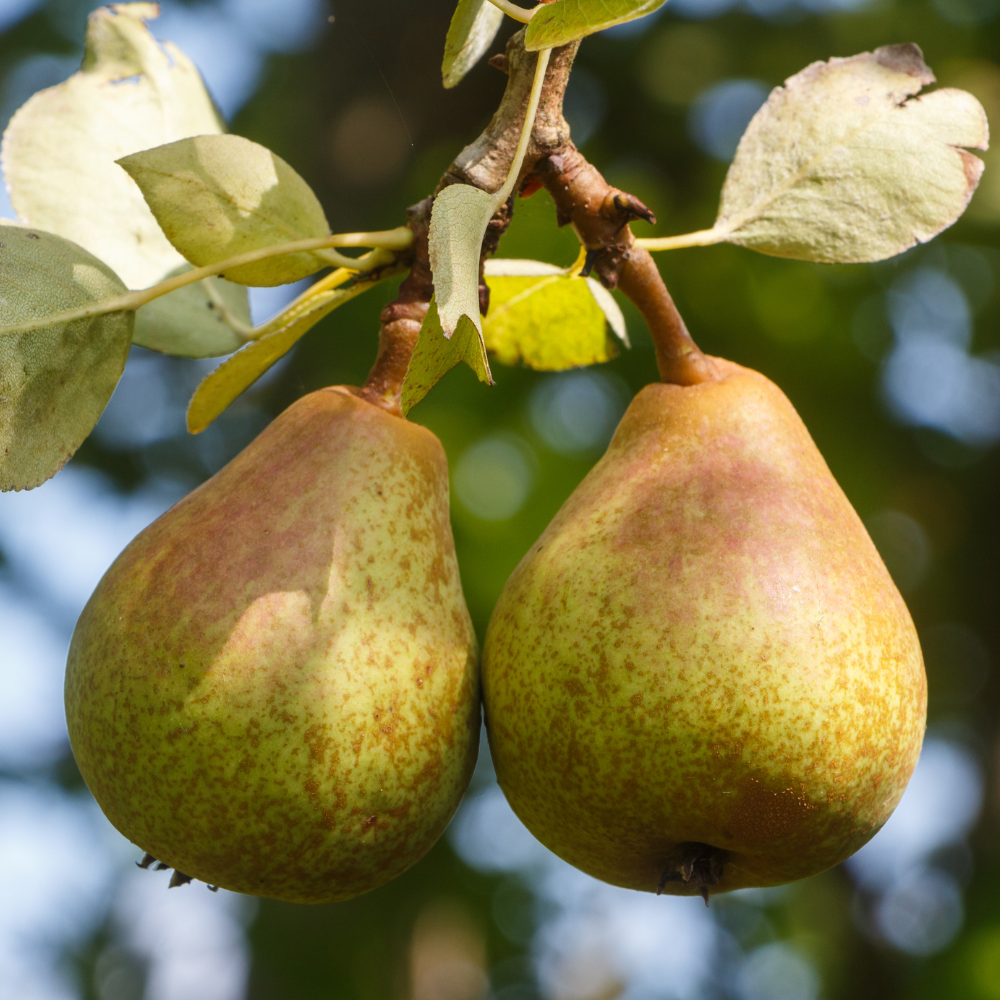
x=305 y=302
x=242 y=330
x=512 y=10
x=529 y=123
x=702 y=238
x=391 y=240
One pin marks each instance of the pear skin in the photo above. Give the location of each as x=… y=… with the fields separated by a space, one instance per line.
x=702 y=677
x=274 y=688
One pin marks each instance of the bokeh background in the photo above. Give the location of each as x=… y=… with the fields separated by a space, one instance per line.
x=895 y=368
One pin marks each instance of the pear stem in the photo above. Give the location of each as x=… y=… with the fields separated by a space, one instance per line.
x=678 y=358
x=601 y=214
x=401 y=320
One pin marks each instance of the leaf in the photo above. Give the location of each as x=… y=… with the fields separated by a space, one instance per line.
x=236 y=374
x=194 y=322
x=567 y=20
x=474 y=25
x=547 y=318
x=517 y=267
x=218 y=196
x=612 y=311
x=435 y=355
x=839 y=166
x=459 y=219
x=60 y=149
x=56 y=381
x=514 y=267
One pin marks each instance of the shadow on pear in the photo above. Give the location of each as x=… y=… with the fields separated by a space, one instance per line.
x=274 y=688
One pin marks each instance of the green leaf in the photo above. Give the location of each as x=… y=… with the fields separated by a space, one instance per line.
x=840 y=167
x=196 y=321
x=219 y=196
x=567 y=20
x=547 y=319
x=435 y=355
x=474 y=25
x=236 y=374
x=60 y=149
x=55 y=381
x=59 y=159
x=459 y=219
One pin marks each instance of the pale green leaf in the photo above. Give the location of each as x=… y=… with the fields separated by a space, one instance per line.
x=435 y=355
x=548 y=323
x=197 y=321
x=55 y=381
x=60 y=148
x=567 y=20
x=843 y=164
x=519 y=267
x=459 y=219
x=612 y=311
x=236 y=374
x=219 y=196
x=474 y=25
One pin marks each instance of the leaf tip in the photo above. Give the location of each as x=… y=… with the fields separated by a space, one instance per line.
x=906 y=57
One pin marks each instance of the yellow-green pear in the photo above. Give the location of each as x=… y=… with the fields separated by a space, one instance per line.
x=274 y=688
x=701 y=677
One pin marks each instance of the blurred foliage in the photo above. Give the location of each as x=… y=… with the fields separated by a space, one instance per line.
x=363 y=118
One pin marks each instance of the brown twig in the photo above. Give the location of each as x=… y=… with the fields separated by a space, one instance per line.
x=485 y=164
x=599 y=213
x=402 y=318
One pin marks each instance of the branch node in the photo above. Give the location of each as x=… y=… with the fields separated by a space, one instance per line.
x=623 y=207
x=500 y=62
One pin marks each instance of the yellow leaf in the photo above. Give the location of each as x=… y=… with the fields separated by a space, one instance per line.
x=236 y=374
x=435 y=355
x=54 y=381
x=219 y=196
x=547 y=322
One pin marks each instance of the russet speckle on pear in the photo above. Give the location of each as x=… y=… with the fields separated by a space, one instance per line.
x=702 y=677
x=274 y=688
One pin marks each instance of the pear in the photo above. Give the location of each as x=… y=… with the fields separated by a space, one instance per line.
x=701 y=677
x=274 y=688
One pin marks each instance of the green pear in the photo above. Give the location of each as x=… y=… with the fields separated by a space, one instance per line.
x=274 y=688
x=701 y=677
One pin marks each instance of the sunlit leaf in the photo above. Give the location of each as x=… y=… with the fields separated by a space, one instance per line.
x=236 y=374
x=840 y=166
x=499 y=267
x=567 y=20
x=218 y=196
x=612 y=311
x=195 y=322
x=545 y=318
x=60 y=149
x=56 y=381
x=435 y=355
x=474 y=25
x=459 y=219
x=519 y=267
